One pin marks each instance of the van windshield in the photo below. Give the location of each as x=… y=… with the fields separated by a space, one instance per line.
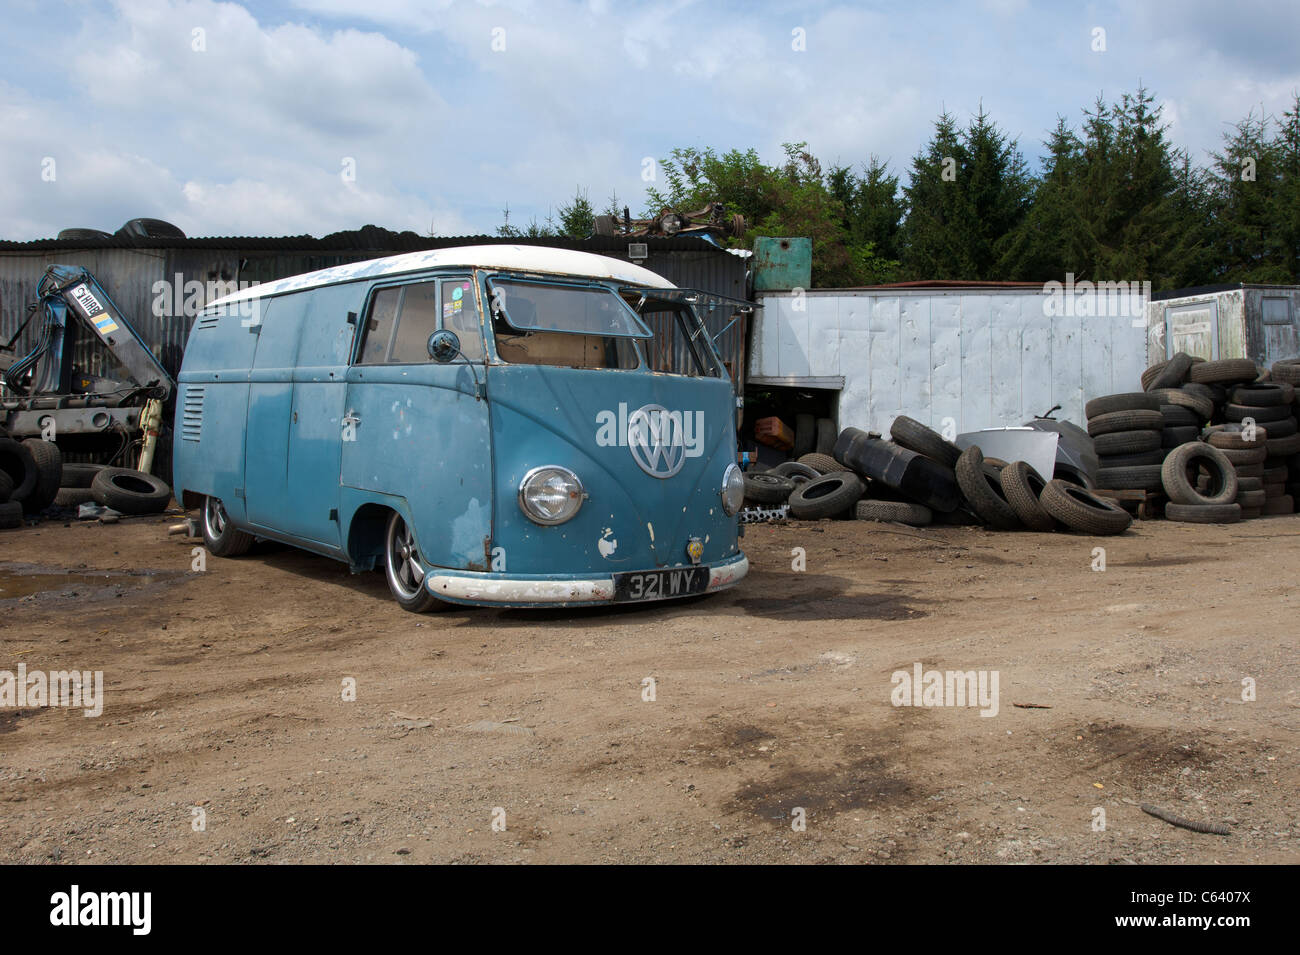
x=566 y=309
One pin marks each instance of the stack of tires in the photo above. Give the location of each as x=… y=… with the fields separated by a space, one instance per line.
x=1288 y=372
x=1245 y=451
x=1202 y=485
x=30 y=472
x=1130 y=433
x=1269 y=406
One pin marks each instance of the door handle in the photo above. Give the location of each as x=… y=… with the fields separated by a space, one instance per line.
x=352 y=418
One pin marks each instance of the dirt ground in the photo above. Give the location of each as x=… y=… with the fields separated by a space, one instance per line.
x=225 y=738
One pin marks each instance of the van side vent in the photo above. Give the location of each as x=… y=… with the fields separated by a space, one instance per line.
x=192 y=413
x=207 y=321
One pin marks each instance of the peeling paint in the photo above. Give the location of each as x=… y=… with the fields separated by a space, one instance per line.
x=607 y=544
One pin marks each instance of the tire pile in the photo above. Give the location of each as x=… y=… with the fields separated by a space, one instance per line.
x=1216 y=440
x=34 y=479
x=919 y=477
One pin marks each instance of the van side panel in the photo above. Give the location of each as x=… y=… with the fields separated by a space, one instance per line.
x=270 y=398
x=212 y=404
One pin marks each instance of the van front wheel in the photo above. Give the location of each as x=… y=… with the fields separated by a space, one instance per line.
x=220 y=536
x=405 y=568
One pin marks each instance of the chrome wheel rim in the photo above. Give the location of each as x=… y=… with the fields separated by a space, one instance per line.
x=214 y=518
x=404 y=563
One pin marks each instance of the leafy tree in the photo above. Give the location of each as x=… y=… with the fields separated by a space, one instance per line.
x=577 y=217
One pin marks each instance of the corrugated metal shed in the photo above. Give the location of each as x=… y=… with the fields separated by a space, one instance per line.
x=984 y=357
x=130 y=269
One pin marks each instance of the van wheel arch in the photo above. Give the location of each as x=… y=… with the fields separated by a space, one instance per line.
x=366 y=532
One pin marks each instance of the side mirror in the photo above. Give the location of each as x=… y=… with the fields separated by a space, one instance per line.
x=443 y=346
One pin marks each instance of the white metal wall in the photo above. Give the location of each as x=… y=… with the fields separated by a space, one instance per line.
x=986 y=358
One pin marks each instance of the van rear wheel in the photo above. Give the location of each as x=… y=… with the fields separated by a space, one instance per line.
x=220 y=537
x=405 y=568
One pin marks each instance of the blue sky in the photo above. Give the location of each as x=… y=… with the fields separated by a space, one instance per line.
x=242 y=118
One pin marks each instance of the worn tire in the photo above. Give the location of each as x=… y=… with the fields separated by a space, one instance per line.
x=220 y=537
x=1225 y=371
x=1281 y=429
x=1203 y=513
x=805 y=434
x=1283 y=447
x=1262 y=416
x=796 y=472
x=766 y=487
x=1252 y=498
x=131 y=492
x=1287 y=370
x=1201 y=406
x=900 y=512
x=1126 y=421
x=1022 y=485
x=1180 y=416
x=76 y=474
x=1126 y=442
x=982 y=487
x=1229 y=437
x=1173 y=374
x=1263 y=394
x=1280 y=505
x=49 y=474
x=6 y=486
x=829 y=496
x=823 y=464
x=1173 y=437
x=1081 y=511
x=11 y=515
x=1179 y=472
x=1148 y=377
x=1250 y=470
x=1135 y=460
x=911 y=434
x=1238 y=456
x=1129 y=401
x=73 y=496
x=17 y=461
x=1145 y=477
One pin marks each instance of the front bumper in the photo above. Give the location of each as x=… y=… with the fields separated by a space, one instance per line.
x=465 y=587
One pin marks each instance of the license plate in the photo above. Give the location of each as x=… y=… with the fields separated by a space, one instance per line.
x=659 y=584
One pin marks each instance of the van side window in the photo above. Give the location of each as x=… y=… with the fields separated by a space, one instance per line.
x=379 y=326
x=417 y=320
x=460 y=315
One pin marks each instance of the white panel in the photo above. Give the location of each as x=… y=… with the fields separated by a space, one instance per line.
x=914 y=358
x=945 y=361
x=1036 y=360
x=976 y=363
x=765 y=343
x=1094 y=351
x=1005 y=327
x=793 y=331
x=1067 y=367
x=824 y=334
x=884 y=355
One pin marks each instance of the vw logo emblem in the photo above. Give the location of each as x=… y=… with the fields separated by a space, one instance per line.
x=657 y=440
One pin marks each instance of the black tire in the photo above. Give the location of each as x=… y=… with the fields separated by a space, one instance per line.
x=405 y=569
x=1148 y=377
x=1081 y=511
x=982 y=487
x=823 y=464
x=914 y=476
x=1263 y=394
x=1126 y=421
x=1022 y=485
x=829 y=496
x=69 y=235
x=805 y=434
x=1280 y=505
x=79 y=475
x=73 y=496
x=1239 y=456
x=1202 y=406
x=1283 y=447
x=1130 y=401
x=49 y=473
x=1250 y=470
x=220 y=537
x=17 y=461
x=1179 y=472
x=766 y=487
x=1173 y=437
x=911 y=434
x=11 y=515
x=1287 y=370
x=1281 y=429
x=1180 y=416
x=6 y=486
x=1225 y=371
x=1252 y=498
x=1203 y=513
x=1142 y=478
x=131 y=492
x=1126 y=442
x=899 y=512
x=1173 y=374
x=1261 y=415
x=826 y=435
x=1248 y=484
x=796 y=472
x=1214 y=394
x=1231 y=437
x=1140 y=459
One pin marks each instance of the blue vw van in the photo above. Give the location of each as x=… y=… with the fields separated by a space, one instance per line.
x=492 y=425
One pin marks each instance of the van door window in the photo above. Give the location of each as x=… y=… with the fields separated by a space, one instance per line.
x=460 y=314
x=416 y=321
x=379 y=326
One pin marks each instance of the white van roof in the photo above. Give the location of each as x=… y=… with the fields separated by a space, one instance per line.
x=523 y=258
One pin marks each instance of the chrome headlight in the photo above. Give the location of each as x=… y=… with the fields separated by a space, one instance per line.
x=733 y=489
x=550 y=495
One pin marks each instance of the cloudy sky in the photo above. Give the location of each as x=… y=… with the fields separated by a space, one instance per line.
x=312 y=116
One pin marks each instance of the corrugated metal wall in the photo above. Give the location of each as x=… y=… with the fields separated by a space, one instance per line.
x=984 y=358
